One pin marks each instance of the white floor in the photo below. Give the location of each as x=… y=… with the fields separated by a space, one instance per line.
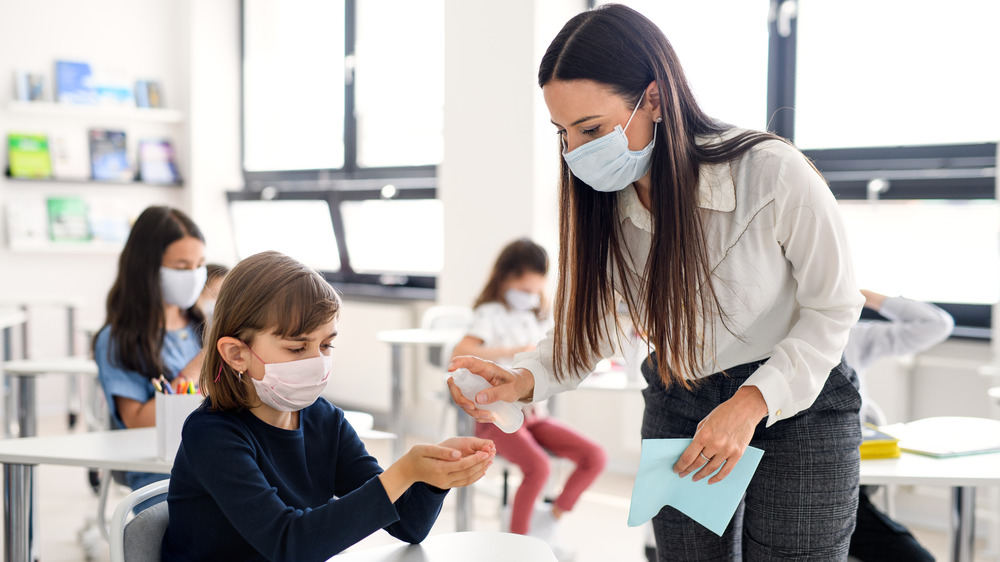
x=596 y=529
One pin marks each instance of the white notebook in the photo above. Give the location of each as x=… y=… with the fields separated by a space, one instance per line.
x=947 y=436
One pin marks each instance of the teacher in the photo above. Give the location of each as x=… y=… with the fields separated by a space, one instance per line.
x=727 y=251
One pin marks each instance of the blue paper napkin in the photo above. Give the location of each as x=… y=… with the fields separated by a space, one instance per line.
x=656 y=485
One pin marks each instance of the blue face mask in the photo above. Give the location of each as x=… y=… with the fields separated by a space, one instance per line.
x=606 y=164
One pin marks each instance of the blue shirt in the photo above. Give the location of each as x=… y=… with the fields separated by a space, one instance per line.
x=242 y=489
x=179 y=348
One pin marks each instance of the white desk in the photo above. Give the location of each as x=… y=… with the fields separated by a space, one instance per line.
x=26 y=371
x=133 y=449
x=962 y=474
x=612 y=380
x=478 y=546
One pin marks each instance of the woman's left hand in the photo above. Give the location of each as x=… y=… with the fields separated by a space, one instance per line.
x=723 y=436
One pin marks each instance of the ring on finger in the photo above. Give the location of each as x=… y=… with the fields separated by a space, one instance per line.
x=700 y=454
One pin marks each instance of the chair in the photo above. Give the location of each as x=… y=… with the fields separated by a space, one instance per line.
x=139 y=539
x=444 y=317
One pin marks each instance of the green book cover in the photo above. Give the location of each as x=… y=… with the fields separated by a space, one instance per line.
x=28 y=156
x=68 y=219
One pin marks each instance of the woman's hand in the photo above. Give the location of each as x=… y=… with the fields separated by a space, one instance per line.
x=508 y=385
x=723 y=436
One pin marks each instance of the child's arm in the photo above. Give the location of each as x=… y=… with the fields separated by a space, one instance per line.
x=471 y=345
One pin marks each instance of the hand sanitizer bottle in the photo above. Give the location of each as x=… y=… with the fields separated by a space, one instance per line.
x=507 y=416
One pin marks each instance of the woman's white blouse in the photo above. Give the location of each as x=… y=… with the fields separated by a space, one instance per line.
x=782 y=273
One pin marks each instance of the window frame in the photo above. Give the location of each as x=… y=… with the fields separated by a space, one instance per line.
x=350 y=182
x=348 y=281
x=334 y=178
x=942 y=172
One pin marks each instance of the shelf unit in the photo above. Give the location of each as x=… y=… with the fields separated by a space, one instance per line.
x=46 y=114
x=103 y=112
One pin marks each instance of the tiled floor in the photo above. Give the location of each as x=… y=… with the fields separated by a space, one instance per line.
x=596 y=529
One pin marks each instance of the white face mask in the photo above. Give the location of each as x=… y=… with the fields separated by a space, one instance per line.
x=522 y=300
x=181 y=287
x=607 y=164
x=293 y=385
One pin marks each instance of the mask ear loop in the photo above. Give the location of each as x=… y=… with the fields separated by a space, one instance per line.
x=639 y=103
x=218 y=373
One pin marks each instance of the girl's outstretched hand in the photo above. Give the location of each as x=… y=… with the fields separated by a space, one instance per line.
x=509 y=385
x=453 y=463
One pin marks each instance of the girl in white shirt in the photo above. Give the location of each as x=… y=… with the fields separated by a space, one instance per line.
x=510 y=317
x=728 y=250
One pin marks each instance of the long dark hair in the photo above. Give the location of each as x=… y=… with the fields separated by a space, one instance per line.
x=135 y=302
x=517 y=258
x=618 y=47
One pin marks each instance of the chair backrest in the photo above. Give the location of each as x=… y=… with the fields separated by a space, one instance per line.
x=444 y=317
x=139 y=539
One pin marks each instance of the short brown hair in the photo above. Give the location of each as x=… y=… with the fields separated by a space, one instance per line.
x=267 y=292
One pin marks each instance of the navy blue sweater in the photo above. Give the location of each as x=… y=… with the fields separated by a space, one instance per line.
x=241 y=489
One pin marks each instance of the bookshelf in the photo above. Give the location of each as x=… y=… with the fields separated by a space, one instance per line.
x=121 y=200
x=96 y=112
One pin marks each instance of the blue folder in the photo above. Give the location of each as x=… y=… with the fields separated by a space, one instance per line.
x=656 y=485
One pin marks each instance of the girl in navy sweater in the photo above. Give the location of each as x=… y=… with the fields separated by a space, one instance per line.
x=268 y=470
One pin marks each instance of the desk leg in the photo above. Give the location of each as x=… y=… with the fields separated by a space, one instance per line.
x=963 y=523
x=74 y=400
x=26 y=407
x=396 y=405
x=17 y=509
x=8 y=392
x=465 y=426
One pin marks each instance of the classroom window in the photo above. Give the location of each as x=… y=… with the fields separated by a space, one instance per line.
x=293 y=85
x=725 y=64
x=398 y=86
x=896 y=72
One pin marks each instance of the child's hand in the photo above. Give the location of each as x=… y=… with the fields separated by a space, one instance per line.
x=455 y=463
x=436 y=465
x=469 y=445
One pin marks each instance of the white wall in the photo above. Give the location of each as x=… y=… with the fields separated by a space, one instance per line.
x=497 y=182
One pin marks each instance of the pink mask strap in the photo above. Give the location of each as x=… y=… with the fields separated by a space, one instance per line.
x=254 y=354
x=218 y=374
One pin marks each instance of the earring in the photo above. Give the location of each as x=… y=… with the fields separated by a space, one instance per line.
x=239 y=374
x=659 y=120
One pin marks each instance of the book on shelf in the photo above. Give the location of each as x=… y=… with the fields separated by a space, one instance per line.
x=29 y=86
x=68 y=219
x=157 y=163
x=148 y=93
x=113 y=89
x=69 y=153
x=28 y=156
x=27 y=223
x=74 y=83
x=108 y=157
x=877 y=444
x=948 y=436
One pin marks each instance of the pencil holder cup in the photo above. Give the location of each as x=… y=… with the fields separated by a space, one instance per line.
x=171 y=411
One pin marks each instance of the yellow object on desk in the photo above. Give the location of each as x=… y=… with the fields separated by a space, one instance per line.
x=876 y=444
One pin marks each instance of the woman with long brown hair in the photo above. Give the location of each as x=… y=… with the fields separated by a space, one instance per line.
x=726 y=248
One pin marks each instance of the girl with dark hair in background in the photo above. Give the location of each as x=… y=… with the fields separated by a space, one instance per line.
x=511 y=316
x=152 y=327
x=727 y=249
